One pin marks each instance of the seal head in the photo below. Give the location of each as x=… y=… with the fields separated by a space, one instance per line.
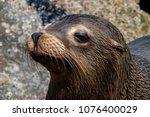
x=86 y=56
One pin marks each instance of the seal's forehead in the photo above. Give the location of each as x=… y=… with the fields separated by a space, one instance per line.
x=69 y=20
x=87 y=23
x=78 y=28
x=78 y=18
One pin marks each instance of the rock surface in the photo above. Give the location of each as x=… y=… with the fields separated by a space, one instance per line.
x=18 y=80
x=20 y=77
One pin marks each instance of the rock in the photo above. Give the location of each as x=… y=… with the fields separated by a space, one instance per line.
x=16 y=76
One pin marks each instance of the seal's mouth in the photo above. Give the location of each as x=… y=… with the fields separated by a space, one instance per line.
x=52 y=63
x=46 y=59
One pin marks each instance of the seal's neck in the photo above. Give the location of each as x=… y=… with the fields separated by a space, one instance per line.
x=73 y=87
x=131 y=85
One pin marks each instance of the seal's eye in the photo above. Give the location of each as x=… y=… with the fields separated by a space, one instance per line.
x=81 y=37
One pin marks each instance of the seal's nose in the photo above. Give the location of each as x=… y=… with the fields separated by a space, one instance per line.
x=35 y=37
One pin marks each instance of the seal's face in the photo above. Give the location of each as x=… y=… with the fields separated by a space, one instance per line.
x=86 y=56
x=77 y=43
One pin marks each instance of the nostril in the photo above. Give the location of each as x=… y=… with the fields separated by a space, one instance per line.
x=35 y=36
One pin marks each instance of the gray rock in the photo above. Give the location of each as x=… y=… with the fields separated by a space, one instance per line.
x=19 y=79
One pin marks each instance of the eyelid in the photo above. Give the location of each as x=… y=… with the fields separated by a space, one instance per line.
x=81 y=37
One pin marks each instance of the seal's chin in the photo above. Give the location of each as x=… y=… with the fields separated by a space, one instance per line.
x=53 y=64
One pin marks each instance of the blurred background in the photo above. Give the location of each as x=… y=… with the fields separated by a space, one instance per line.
x=20 y=77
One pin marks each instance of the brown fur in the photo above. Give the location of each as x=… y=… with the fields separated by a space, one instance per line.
x=102 y=68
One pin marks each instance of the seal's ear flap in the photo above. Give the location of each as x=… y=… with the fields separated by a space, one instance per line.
x=117 y=46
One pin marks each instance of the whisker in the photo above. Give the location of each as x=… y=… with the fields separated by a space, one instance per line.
x=27 y=56
x=75 y=65
x=69 y=62
x=62 y=60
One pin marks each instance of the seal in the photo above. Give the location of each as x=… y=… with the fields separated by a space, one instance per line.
x=88 y=58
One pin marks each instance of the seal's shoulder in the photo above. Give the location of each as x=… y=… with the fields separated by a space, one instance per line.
x=140 y=50
x=140 y=42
